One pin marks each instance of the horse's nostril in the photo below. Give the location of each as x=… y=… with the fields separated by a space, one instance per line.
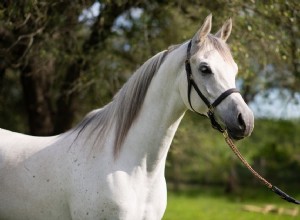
x=241 y=122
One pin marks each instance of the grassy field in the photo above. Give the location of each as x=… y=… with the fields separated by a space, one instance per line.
x=213 y=205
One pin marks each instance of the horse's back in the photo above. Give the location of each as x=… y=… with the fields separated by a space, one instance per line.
x=15 y=147
x=26 y=179
x=13 y=139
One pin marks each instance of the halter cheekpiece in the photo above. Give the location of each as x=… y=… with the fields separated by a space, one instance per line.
x=211 y=106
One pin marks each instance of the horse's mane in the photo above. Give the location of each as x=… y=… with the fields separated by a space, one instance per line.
x=121 y=112
x=125 y=106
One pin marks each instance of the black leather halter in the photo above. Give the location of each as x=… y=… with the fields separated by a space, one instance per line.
x=211 y=107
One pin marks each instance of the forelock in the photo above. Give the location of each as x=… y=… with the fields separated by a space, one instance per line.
x=220 y=46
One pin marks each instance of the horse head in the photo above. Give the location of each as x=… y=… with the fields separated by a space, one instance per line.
x=209 y=87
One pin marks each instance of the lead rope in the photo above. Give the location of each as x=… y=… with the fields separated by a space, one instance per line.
x=275 y=189
x=239 y=155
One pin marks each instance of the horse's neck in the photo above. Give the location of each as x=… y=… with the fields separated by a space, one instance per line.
x=150 y=136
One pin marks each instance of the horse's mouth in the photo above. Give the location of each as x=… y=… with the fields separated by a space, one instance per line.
x=235 y=136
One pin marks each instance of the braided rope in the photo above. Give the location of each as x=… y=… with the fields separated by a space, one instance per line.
x=239 y=155
x=275 y=189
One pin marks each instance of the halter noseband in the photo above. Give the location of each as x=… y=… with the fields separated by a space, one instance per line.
x=191 y=83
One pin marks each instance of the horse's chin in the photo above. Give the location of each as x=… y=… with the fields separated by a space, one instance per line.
x=234 y=136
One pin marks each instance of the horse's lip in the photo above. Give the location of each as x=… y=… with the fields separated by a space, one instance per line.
x=234 y=136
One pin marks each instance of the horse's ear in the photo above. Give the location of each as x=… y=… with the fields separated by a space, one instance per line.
x=204 y=30
x=225 y=30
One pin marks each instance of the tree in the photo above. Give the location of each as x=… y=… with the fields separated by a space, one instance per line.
x=53 y=52
x=60 y=58
x=29 y=31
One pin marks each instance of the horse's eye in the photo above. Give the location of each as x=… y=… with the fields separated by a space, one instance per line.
x=205 y=69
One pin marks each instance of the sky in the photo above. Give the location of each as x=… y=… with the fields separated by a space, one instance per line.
x=279 y=104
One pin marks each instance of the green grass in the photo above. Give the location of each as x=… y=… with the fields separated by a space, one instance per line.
x=213 y=205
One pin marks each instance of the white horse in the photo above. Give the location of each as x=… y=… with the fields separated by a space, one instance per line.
x=111 y=166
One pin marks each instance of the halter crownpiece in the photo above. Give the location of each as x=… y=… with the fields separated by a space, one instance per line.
x=215 y=124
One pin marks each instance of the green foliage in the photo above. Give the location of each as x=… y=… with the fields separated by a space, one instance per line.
x=200 y=155
x=274 y=149
x=198 y=150
x=107 y=48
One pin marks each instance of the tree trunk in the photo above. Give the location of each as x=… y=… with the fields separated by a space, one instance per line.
x=37 y=101
x=232 y=184
x=67 y=103
x=101 y=29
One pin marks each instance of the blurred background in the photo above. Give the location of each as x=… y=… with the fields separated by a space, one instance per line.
x=61 y=59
